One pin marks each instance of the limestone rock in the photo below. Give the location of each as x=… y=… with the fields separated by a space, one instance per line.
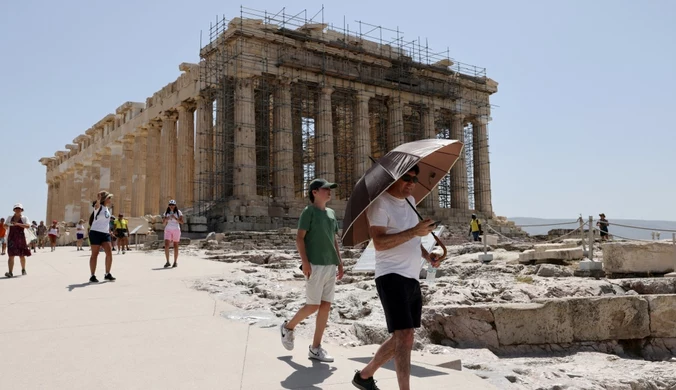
x=548 y=322
x=638 y=257
x=662 y=315
x=370 y=334
x=463 y=326
x=609 y=318
x=649 y=286
x=550 y=270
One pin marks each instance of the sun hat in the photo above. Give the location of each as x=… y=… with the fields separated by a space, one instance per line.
x=18 y=206
x=172 y=202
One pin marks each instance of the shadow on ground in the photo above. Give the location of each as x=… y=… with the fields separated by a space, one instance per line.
x=306 y=377
x=416 y=371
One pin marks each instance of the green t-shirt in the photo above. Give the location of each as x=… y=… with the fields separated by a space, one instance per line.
x=321 y=227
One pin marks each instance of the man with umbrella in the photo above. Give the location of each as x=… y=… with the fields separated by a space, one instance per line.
x=381 y=208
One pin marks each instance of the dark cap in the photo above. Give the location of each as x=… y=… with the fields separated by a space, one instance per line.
x=602 y=215
x=321 y=183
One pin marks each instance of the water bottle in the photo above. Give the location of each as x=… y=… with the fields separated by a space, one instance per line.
x=431 y=273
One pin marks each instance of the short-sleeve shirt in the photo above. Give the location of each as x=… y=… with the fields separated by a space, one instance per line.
x=101 y=222
x=172 y=223
x=121 y=224
x=396 y=215
x=3 y=230
x=321 y=227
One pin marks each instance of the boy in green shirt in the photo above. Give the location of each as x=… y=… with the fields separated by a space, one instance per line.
x=318 y=248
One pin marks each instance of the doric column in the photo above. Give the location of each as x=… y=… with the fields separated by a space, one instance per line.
x=185 y=169
x=116 y=167
x=395 y=122
x=56 y=209
x=283 y=142
x=325 y=165
x=204 y=151
x=244 y=175
x=105 y=168
x=482 y=172
x=50 y=199
x=68 y=198
x=362 y=135
x=124 y=202
x=78 y=180
x=138 y=195
x=94 y=177
x=153 y=170
x=167 y=168
x=429 y=132
x=459 y=191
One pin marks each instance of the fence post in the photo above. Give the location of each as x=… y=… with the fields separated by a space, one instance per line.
x=673 y=242
x=584 y=246
x=591 y=238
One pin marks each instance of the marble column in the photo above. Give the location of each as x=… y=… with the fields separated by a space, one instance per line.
x=138 y=194
x=185 y=169
x=325 y=164
x=362 y=135
x=124 y=202
x=78 y=179
x=104 y=153
x=68 y=195
x=395 y=122
x=57 y=212
x=94 y=177
x=244 y=175
x=430 y=202
x=283 y=142
x=116 y=168
x=167 y=160
x=50 y=200
x=482 y=174
x=153 y=171
x=204 y=152
x=459 y=190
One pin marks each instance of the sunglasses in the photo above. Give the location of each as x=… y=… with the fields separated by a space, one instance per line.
x=409 y=178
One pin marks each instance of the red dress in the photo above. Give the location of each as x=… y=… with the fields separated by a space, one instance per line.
x=16 y=242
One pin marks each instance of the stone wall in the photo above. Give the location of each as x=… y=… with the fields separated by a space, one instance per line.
x=644 y=325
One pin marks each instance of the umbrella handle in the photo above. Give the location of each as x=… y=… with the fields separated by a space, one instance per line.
x=443 y=256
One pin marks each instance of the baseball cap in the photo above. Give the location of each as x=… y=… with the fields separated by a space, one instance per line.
x=321 y=183
x=18 y=206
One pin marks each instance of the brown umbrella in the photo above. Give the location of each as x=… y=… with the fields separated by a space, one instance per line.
x=434 y=157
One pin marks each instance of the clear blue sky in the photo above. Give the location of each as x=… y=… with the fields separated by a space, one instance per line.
x=585 y=102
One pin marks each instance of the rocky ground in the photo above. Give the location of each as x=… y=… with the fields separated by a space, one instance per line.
x=268 y=287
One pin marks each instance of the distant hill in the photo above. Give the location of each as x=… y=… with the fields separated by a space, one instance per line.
x=661 y=226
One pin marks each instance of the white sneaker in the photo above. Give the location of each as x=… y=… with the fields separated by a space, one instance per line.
x=287 y=336
x=319 y=354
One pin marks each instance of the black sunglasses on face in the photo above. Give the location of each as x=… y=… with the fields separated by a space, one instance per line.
x=409 y=178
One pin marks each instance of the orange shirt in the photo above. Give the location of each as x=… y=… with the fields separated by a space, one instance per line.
x=3 y=231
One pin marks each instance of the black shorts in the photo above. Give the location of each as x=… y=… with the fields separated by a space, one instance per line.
x=604 y=233
x=402 y=301
x=120 y=233
x=98 y=238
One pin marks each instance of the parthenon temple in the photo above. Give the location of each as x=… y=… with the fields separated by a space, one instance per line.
x=273 y=103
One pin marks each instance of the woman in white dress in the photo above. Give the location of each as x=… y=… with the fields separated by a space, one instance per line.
x=99 y=234
x=80 y=231
x=172 y=219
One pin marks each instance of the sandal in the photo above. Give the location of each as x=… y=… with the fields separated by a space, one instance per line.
x=9 y=275
x=167 y=265
x=175 y=265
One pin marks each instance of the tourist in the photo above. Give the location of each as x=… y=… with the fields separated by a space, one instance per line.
x=34 y=242
x=80 y=233
x=172 y=219
x=42 y=235
x=475 y=228
x=603 y=226
x=321 y=264
x=99 y=234
x=16 y=241
x=3 y=236
x=397 y=237
x=53 y=234
x=122 y=233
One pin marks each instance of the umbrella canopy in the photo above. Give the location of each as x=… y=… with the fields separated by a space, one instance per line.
x=434 y=157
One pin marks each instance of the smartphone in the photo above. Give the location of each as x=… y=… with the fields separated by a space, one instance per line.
x=435 y=223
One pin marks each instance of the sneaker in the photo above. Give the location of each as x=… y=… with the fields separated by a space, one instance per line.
x=364 y=384
x=23 y=272
x=167 y=265
x=93 y=279
x=175 y=265
x=319 y=354
x=123 y=252
x=287 y=336
x=109 y=277
x=9 y=275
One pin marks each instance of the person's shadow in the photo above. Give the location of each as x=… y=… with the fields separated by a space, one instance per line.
x=306 y=377
x=81 y=285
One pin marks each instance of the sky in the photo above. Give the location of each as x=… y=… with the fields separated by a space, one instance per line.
x=581 y=122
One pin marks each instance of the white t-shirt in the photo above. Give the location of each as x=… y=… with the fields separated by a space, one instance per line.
x=397 y=216
x=80 y=228
x=172 y=222
x=24 y=220
x=101 y=223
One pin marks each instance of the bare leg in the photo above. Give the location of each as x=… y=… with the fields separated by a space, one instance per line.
x=322 y=320
x=175 y=252
x=109 y=256
x=166 y=249
x=302 y=314
x=10 y=264
x=4 y=248
x=92 y=259
x=382 y=356
x=402 y=357
x=23 y=262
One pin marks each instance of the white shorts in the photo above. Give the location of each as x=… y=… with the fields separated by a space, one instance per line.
x=321 y=285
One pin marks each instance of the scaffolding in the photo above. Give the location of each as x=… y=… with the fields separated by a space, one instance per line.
x=280 y=65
